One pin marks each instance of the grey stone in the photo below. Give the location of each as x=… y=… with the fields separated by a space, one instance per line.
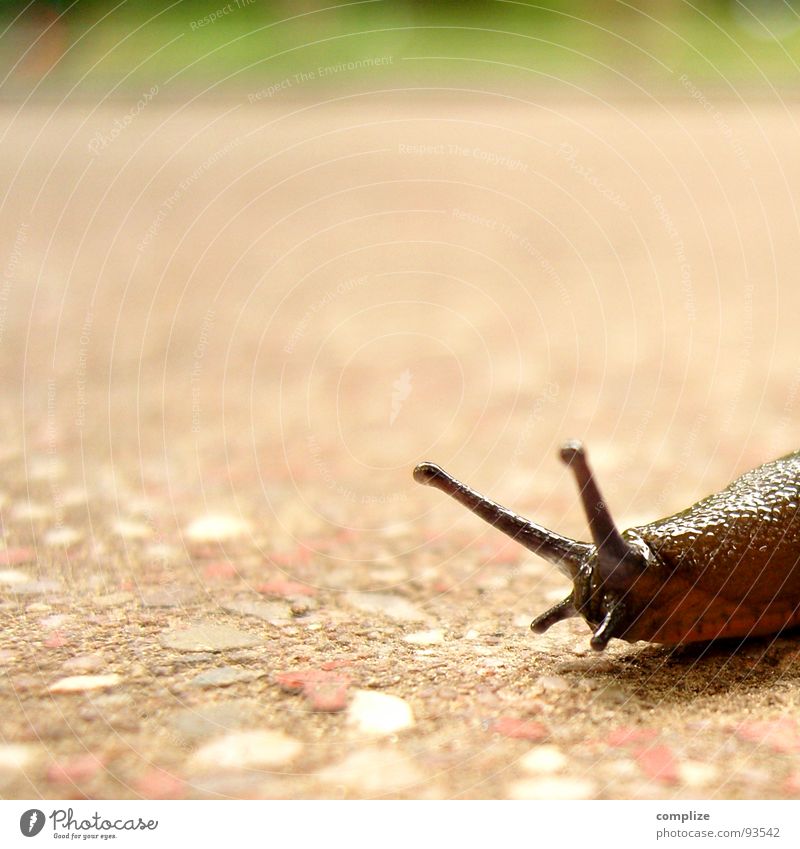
x=208 y=637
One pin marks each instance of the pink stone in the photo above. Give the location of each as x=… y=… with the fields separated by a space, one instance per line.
x=328 y=696
x=780 y=735
x=623 y=736
x=220 y=570
x=296 y=682
x=792 y=786
x=325 y=690
x=157 y=784
x=523 y=729
x=56 y=640
x=75 y=770
x=16 y=556
x=658 y=763
x=285 y=589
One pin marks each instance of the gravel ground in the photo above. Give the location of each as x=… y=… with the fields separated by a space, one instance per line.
x=229 y=330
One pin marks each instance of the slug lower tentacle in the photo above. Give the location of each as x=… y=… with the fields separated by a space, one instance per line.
x=729 y=566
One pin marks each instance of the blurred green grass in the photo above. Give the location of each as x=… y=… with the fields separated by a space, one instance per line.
x=218 y=46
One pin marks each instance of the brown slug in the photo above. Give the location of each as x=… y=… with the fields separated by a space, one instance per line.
x=728 y=566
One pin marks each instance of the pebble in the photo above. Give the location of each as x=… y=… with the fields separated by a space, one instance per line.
x=175 y=596
x=208 y=636
x=553 y=683
x=425 y=638
x=17 y=556
x=35 y=588
x=394 y=606
x=658 y=763
x=285 y=589
x=217 y=528
x=792 y=785
x=552 y=788
x=697 y=774
x=84 y=663
x=274 y=612
x=113 y=599
x=130 y=529
x=523 y=729
x=220 y=570
x=624 y=735
x=224 y=676
x=62 y=537
x=85 y=683
x=30 y=511
x=611 y=695
x=379 y=713
x=780 y=735
x=191 y=725
x=157 y=784
x=15 y=757
x=246 y=750
x=162 y=552
x=57 y=620
x=544 y=760
x=373 y=772
x=326 y=690
x=56 y=640
x=13 y=576
x=74 y=770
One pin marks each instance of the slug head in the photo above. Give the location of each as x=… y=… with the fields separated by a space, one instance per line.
x=608 y=576
x=604 y=592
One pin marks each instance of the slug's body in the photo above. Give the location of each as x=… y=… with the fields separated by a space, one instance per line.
x=729 y=566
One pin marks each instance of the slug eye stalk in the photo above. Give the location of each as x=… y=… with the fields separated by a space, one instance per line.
x=565 y=553
x=593 y=569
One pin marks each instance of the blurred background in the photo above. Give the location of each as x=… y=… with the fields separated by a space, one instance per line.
x=399 y=229
x=90 y=45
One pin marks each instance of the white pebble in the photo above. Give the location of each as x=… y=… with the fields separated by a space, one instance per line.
x=162 y=551
x=552 y=788
x=246 y=750
x=216 y=528
x=12 y=576
x=129 y=529
x=373 y=772
x=16 y=756
x=543 y=760
x=379 y=713
x=697 y=774
x=63 y=536
x=29 y=511
x=425 y=638
x=82 y=683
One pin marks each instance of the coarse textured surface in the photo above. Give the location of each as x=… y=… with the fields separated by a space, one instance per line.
x=229 y=334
